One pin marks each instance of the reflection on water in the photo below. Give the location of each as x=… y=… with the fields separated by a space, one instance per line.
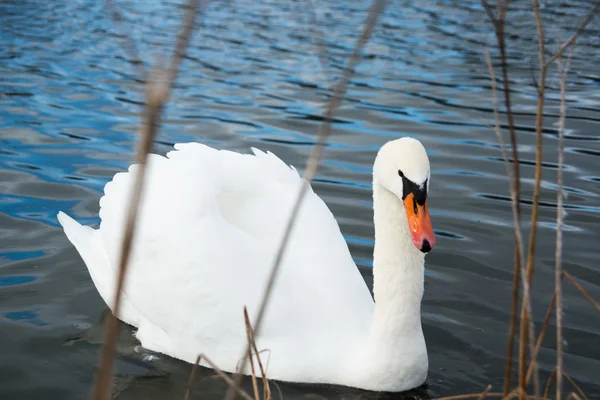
x=69 y=105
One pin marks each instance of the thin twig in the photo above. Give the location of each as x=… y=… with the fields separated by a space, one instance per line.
x=499 y=24
x=485 y=392
x=309 y=173
x=582 y=290
x=548 y=382
x=252 y=343
x=525 y=333
x=575 y=396
x=188 y=393
x=559 y=224
x=278 y=390
x=156 y=95
x=489 y=11
x=513 y=195
x=513 y=393
x=253 y=376
x=227 y=379
x=573 y=38
x=541 y=335
x=576 y=386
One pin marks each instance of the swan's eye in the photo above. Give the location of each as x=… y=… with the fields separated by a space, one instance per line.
x=401 y=174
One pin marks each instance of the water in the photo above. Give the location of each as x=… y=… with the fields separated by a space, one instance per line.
x=69 y=105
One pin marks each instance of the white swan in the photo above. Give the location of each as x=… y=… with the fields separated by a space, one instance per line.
x=210 y=222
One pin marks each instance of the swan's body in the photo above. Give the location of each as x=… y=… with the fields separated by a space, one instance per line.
x=209 y=224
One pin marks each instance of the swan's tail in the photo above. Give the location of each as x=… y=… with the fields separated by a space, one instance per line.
x=88 y=243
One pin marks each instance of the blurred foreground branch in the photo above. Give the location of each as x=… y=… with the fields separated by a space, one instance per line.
x=375 y=10
x=157 y=92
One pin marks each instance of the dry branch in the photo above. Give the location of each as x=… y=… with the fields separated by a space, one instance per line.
x=252 y=346
x=548 y=382
x=525 y=334
x=570 y=41
x=582 y=290
x=485 y=392
x=513 y=195
x=499 y=24
x=375 y=10
x=576 y=386
x=157 y=92
x=541 y=335
x=232 y=385
x=575 y=396
x=188 y=393
x=563 y=70
x=253 y=375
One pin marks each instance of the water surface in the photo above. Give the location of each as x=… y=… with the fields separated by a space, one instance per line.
x=70 y=104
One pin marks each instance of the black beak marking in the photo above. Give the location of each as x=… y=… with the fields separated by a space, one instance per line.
x=426 y=246
x=409 y=187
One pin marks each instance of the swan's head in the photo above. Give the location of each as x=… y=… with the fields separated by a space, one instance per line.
x=402 y=167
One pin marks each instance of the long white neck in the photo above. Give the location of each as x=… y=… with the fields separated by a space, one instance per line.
x=398 y=271
x=394 y=357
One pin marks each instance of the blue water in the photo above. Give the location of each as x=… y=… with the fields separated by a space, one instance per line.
x=70 y=100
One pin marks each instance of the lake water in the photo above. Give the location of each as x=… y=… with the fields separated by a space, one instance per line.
x=70 y=102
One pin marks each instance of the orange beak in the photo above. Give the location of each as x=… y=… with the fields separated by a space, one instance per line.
x=419 y=223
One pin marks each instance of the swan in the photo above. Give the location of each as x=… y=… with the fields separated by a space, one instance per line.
x=209 y=224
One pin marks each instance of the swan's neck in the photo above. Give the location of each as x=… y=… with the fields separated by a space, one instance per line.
x=394 y=355
x=398 y=272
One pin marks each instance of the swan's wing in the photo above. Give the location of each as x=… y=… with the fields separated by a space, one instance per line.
x=209 y=225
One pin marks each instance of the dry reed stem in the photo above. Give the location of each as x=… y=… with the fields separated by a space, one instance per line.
x=192 y=379
x=513 y=195
x=513 y=393
x=525 y=334
x=252 y=343
x=278 y=390
x=249 y=337
x=375 y=10
x=226 y=378
x=576 y=386
x=548 y=382
x=516 y=392
x=559 y=223
x=541 y=86
x=499 y=24
x=573 y=38
x=485 y=392
x=575 y=396
x=582 y=290
x=157 y=92
x=541 y=335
